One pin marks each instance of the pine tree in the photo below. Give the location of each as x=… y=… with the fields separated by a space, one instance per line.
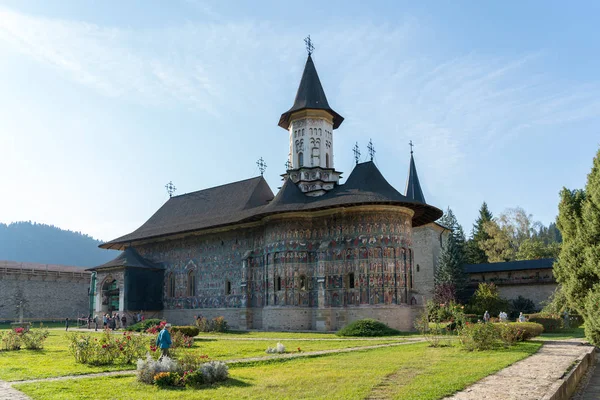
x=474 y=253
x=578 y=266
x=450 y=271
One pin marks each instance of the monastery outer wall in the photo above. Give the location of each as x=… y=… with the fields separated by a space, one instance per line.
x=538 y=293
x=45 y=296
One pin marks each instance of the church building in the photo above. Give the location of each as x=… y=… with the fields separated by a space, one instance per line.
x=316 y=255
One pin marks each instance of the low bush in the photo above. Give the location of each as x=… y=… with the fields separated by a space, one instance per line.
x=479 y=336
x=12 y=340
x=191 y=361
x=550 y=322
x=154 y=329
x=509 y=333
x=472 y=318
x=214 y=371
x=190 y=331
x=217 y=324
x=148 y=367
x=34 y=338
x=530 y=329
x=368 y=328
x=144 y=325
x=108 y=349
x=193 y=378
x=167 y=379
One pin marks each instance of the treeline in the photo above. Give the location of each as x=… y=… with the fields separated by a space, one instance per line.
x=47 y=244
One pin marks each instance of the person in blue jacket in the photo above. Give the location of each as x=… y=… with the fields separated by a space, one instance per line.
x=163 y=341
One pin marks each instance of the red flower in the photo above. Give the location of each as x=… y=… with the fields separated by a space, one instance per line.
x=121 y=348
x=299 y=349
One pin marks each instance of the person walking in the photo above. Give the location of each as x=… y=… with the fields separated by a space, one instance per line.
x=96 y=321
x=163 y=341
x=67 y=324
x=117 y=320
x=522 y=317
x=486 y=316
x=124 y=321
x=104 y=320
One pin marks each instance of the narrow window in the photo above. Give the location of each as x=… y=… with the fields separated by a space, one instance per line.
x=278 y=283
x=171 y=286
x=191 y=288
x=351 y=280
x=326 y=160
x=418 y=268
x=302 y=282
x=300 y=159
x=228 y=287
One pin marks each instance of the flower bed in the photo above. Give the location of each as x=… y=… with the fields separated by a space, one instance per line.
x=108 y=349
x=171 y=373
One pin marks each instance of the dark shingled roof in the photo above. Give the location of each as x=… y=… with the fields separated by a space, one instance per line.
x=248 y=200
x=209 y=208
x=311 y=96
x=128 y=258
x=544 y=263
x=413 y=187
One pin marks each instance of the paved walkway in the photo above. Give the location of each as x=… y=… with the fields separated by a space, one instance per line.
x=8 y=393
x=531 y=378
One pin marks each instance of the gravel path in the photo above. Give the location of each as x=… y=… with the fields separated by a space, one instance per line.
x=528 y=379
x=589 y=387
x=8 y=393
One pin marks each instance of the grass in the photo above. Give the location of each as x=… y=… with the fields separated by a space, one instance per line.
x=287 y=335
x=55 y=360
x=414 y=372
x=562 y=334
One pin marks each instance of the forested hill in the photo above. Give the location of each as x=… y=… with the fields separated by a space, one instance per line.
x=46 y=244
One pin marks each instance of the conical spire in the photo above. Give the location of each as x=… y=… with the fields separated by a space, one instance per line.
x=413 y=187
x=310 y=95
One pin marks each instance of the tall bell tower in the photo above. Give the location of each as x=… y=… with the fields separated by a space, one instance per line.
x=310 y=124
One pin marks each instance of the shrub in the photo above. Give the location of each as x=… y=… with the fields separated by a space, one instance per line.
x=147 y=368
x=193 y=378
x=191 y=361
x=509 y=333
x=179 y=340
x=186 y=330
x=217 y=324
x=521 y=304
x=12 y=340
x=479 y=336
x=167 y=379
x=34 y=338
x=367 y=327
x=214 y=371
x=487 y=298
x=220 y=325
x=143 y=325
x=530 y=329
x=156 y=328
x=279 y=348
x=550 y=322
x=472 y=318
x=108 y=349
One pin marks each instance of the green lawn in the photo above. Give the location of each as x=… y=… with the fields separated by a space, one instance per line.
x=405 y=372
x=561 y=334
x=55 y=360
x=288 y=335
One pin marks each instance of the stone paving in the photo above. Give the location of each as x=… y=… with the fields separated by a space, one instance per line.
x=8 y=393
x=531 y=378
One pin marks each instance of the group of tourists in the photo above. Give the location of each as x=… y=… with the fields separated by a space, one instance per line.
x=503 y=317
x=112 y=321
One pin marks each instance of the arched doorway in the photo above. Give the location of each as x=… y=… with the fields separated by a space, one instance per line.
x=110 y=295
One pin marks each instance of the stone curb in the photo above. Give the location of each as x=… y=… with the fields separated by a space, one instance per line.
x=566 y=387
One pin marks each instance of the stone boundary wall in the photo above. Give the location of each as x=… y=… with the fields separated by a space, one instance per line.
x=46 y=293
x=536 y=292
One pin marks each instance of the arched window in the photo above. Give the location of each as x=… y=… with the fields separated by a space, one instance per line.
x=191 y=283
x=171 y=285
x=278 y=283
x=302 y=282
x=320 y=132
x=228 y=287
x=326 y=160
x=300 y=159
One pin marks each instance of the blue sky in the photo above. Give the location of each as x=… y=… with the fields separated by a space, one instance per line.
x=102 y=103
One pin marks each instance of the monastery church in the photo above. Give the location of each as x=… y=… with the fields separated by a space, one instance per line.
x=315 y=256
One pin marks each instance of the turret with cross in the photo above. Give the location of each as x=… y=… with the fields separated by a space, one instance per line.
x=310 y=123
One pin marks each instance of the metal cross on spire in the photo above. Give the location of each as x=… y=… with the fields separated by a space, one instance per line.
x=371 y=149
x=356 y=151
x=410 y=143
x=170 y=188
x=262 y=166
x=309 y=45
